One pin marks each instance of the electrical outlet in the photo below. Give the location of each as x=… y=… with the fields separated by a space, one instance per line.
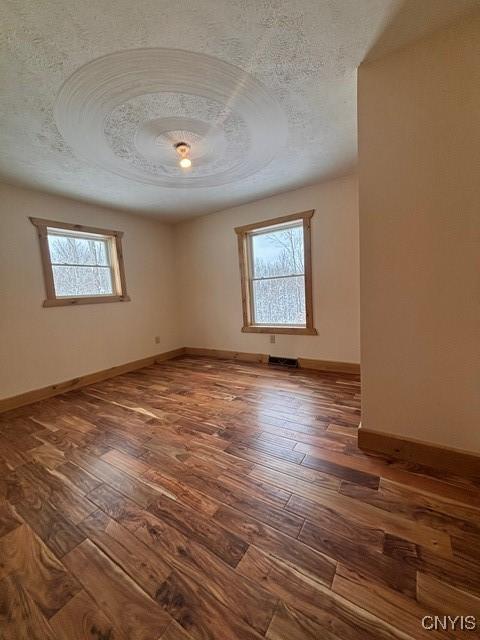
x=157 y=339
x=272 y=339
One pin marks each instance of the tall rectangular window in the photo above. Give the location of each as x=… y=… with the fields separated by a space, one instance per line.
x=80 y=264
x=278 y=276
x=275 y=265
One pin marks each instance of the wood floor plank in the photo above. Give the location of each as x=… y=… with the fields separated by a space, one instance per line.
x=20 y=618
x=245 y=598
x=306 y=486
x=427 y=509
x=182 y=465
x=126 y=462
x=248 y=600
x=9 y=519
x=47 y=456
x=182 y=492
x=21 y=441
x=341 y=471
x=82 y=619
x=128 y=552
x=266 y=461
x=415 y=478
x=77 y=476
x=21 y=425
x=291 y=624
x=277 y=543
x=45 y=579
x=9 y=454
x=467 y=547
x=61 y=439
x=351 y=432
x=261 y=490
x=227 y=492
x=333 y=613
x=267 y=447
x=138 y=491
x=443 y=598
x=33 y=506
x=396 y=610
x=60 y=493
x=333 y=520
x=175 y=632
x=457 y=571
x=370 y=564
x=274 y=438
x=199 y=613
x=226 y=545
x=116 y=594
x=365 y=515
x=134 y=518
x=221 y=457
x=321 y=439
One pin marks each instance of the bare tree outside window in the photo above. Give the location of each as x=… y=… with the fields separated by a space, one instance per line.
x=278 y=277
x=81 y=265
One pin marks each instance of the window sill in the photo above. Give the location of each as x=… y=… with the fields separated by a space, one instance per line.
x=68 y=302
x=302 y=331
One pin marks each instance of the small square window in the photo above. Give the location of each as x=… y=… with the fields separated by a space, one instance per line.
x=82 y=265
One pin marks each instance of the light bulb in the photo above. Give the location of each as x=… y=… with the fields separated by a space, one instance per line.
x=185 y=163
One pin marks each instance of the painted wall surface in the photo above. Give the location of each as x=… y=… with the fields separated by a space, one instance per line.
x=207 y=258
x=42 y=346
x=419 y=146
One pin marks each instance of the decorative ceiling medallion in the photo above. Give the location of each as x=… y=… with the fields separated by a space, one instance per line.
x=126 y=111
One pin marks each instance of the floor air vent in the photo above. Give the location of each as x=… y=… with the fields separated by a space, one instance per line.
x=291 y=363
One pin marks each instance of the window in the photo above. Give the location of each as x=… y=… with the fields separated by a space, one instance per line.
x=276 y=275
x=81 y=265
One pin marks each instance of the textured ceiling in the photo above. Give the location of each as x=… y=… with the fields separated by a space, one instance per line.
x=96 y=93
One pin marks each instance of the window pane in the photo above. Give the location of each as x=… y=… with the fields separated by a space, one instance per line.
x=279 y=301
x=82 y=281
x=278 y=253
x=72 y=250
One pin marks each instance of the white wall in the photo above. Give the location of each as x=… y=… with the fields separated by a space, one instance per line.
x=419 y=147
x=210 y=304
x=42 y=346
x=183 y=282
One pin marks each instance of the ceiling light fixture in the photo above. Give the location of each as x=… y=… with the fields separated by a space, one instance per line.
x=183 y=150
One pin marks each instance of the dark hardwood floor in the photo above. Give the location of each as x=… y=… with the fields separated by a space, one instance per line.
x=220 y=500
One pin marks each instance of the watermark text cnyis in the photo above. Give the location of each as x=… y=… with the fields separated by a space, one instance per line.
x=450 y=623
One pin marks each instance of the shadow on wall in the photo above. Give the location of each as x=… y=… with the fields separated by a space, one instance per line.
x=414 y=19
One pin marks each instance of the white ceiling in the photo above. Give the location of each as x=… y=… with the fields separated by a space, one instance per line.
x=95 y=93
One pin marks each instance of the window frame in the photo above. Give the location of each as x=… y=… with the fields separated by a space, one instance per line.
x=243 y=237
x=117 y=266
